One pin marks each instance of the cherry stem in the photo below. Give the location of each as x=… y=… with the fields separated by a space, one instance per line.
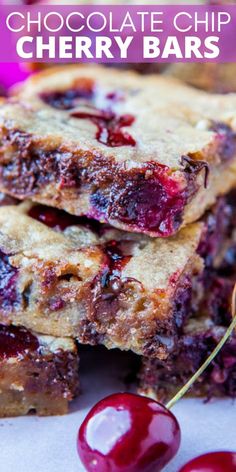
x=201 y=369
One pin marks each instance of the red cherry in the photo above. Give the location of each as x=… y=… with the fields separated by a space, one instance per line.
x=128 y=433
x=212 y=462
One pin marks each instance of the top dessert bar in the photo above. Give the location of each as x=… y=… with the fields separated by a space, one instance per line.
x=146 y=154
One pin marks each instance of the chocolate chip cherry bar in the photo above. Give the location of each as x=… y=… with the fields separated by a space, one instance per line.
x=200 y=335
x=68 y=276
x=146 y=154
x=37 y=372
x=161 y=380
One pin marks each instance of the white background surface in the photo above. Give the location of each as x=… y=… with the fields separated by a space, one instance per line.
x=34 y=444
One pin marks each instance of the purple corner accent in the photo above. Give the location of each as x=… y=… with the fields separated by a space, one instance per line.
x=12 y=73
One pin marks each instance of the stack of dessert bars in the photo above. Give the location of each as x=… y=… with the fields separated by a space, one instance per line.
x=117 y=227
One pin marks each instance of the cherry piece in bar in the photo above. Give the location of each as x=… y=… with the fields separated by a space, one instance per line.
x=60 y=220
x=212 y=462
x=15 y=341
x=128 y=433
x=109 y=127
x=53 y=217
x=69 y=98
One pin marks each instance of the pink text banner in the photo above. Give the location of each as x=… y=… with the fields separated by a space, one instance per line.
x=118 y=33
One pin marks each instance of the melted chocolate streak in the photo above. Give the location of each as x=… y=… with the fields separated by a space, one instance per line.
x=195 y=166
x=8 y=276
x=115 y=262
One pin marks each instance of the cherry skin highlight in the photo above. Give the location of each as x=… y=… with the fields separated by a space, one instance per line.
x=128 y=433
x=212 y=462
